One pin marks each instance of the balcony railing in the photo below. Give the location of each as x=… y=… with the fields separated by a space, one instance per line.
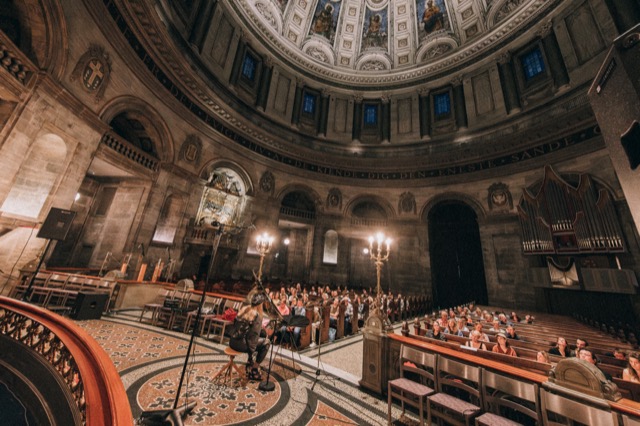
x=83 y=366
x=129 y=151
x=297 y=213
x=356 y=221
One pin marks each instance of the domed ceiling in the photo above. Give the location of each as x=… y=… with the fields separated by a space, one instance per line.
x=367 y=42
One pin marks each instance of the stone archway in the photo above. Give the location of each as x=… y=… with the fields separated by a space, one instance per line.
x=457 y=267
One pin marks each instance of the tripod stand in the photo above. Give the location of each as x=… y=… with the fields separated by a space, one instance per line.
x=319 y=363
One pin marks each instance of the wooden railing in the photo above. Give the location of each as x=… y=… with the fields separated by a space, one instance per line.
x=83 y=365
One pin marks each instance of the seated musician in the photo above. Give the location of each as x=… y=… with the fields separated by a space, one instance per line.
x=247 y=335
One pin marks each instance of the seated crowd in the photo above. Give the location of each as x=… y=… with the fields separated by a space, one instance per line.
x=472 y=328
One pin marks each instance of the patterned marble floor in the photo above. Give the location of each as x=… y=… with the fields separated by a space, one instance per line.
x=310 y=389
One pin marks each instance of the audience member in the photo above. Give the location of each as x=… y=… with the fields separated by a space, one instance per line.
x=542 y=356
x=580 y=344
x=496 y=326
x=511 y=333
x=619 y=354
x=483 y=336
x=503 y=346
x=561 y=349
x=436 y=332
x=632 y=372
x=587 y=355
x=452 y=327
x=475 y=341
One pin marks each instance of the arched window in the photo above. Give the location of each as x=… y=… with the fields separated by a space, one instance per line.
x=223 y=198
x=38 y=174
x=330 y=248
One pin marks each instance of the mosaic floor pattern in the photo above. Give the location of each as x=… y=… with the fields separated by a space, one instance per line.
x=307 y=392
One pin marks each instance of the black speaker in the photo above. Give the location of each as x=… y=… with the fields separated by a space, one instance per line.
x=89 y=306
x=57 y=224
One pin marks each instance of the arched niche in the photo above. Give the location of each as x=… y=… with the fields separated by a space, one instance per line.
x=370 y=208
x=38 y=174
x=169 y=219
x=141 y=125
x=330 y=253
x=39 y=30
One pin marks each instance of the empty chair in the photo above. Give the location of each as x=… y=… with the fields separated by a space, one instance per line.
x=508 y=401
x=459 y=397
x=559 y=410
x=219 y=325
x=416 y=381
x=208 y=313
x=156 y=305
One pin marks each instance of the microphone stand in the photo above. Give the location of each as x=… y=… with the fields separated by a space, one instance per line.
x=267 y=386
x=177 y=414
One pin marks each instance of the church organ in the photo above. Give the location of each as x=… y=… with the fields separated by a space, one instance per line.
x=563 y=219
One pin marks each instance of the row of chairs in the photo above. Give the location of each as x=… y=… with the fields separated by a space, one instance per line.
x=177 y=309
x=461 y=394
x=58 y=291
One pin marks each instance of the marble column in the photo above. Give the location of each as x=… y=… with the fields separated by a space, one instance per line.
x=324 y=114
x=459 y=104
x=297 y=103
x=625 y=14
x=202 y=22
x=385 y=112
x=265 y=84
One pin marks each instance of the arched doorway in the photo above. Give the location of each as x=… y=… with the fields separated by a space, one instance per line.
x=457 y=267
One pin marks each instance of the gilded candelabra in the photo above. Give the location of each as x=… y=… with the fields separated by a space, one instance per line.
x=264 y=242
x=379 y=250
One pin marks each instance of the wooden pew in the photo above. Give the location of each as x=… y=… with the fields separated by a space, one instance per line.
x=340 y=326
x=354 y=318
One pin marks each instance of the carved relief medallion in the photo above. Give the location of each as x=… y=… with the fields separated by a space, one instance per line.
x=191 y=149
x=500 y=197
x=267 y=182
x=334 y=199
x=93 y=71
x=407 y=203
